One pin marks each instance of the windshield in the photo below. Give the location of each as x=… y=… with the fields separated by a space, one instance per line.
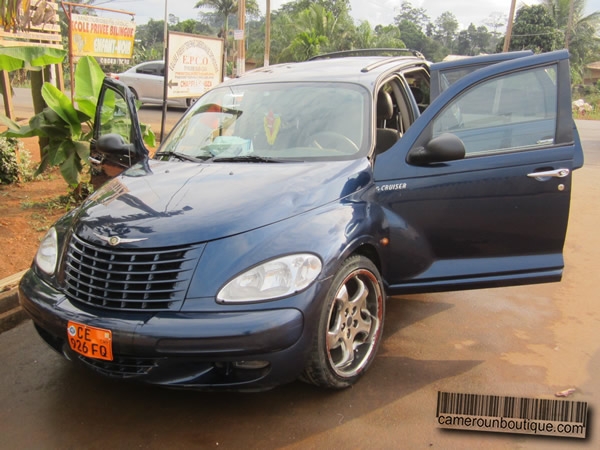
x=275 y=121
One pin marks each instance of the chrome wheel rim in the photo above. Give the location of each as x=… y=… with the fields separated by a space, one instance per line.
x=355 y=319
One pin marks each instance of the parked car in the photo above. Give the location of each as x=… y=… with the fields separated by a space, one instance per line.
x=146 y=82
x=260 y=242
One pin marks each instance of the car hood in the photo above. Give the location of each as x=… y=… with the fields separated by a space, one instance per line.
x=177 y=203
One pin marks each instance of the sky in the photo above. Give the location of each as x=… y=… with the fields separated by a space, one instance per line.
x=375 y=11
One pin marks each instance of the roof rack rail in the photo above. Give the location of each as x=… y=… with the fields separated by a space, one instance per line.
x=369 y=52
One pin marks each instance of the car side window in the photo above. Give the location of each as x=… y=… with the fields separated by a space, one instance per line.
x=514 y=112
x=115 y=116
x=418 y=81
x=152 y=69
x=450 y=76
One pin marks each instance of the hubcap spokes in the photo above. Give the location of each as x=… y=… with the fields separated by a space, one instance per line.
x=353 y=323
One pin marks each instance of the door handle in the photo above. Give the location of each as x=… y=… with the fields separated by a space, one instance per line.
x=558 y=173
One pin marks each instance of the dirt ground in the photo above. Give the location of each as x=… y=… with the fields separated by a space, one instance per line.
x=27 y=210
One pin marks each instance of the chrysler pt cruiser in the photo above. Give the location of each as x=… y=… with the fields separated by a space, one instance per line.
x=260 y=241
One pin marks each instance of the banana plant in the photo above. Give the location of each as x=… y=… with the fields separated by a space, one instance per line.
x=68 y=126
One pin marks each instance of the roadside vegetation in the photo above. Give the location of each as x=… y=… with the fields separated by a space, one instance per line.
x=301 y=29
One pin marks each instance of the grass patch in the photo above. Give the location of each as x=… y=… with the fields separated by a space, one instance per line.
x=63 y=202
x=39 y=222
x=593 y=115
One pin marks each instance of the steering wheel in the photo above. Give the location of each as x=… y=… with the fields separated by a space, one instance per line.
x=331 y=139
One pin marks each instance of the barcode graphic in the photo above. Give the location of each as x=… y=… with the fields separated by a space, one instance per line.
x=512 y=414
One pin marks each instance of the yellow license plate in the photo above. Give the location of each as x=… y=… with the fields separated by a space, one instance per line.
x=90 y=341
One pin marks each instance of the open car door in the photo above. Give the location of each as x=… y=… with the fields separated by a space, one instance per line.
x=118 y=143
x=444 y=74
x=478 y=189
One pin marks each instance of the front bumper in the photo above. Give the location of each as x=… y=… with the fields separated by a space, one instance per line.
x=208 y=350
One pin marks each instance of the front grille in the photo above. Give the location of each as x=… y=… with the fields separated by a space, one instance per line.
x=129 y=279
x=120 y=367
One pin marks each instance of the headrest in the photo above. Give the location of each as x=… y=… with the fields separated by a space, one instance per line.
x=385 y=107
x=417 y=94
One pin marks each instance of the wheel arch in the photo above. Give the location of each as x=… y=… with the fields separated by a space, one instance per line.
x=369 y=251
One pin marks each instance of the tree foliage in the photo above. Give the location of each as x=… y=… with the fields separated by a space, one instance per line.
x=446 y=27
x=535 y=29
x=417 y=16
x=580 y=36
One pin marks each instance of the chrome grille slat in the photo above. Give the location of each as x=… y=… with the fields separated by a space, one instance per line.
x=126 y=279
x=147 y=297
x=128 y=263
x=150 y=274
x=128 y=283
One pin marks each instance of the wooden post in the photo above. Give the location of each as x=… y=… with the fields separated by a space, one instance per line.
x=511 y=18
x=7 y=95
x=268 y=34
x=241 y=57
x=60 y=77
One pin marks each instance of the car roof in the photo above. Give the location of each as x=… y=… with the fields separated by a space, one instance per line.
x=364 y=70
x=157 y=61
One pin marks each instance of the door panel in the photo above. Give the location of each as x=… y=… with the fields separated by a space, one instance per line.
x=484 y=220
x=117 y=142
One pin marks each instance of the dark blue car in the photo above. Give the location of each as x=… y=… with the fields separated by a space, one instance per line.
x=259 y=244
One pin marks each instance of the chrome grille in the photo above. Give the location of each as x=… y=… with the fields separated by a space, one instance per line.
x=129 y=279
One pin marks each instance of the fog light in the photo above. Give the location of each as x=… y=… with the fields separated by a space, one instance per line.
x=250 y=365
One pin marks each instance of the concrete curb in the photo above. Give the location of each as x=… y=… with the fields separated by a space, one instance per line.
x=11 y=313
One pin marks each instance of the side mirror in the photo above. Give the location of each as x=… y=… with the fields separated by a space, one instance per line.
x=445 y=147
x=114 y=144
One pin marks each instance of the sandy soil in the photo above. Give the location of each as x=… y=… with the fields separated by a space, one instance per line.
x=27 y=210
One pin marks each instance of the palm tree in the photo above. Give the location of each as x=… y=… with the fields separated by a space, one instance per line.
x=226 y=8
x=560 y=9
x=580 y=31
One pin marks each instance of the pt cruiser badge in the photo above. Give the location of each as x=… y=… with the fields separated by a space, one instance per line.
x=113 y=241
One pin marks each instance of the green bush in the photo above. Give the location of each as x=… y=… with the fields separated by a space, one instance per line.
x=15 y=161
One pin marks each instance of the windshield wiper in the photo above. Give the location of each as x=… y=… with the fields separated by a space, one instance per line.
x=246 y=158
x=180 y=156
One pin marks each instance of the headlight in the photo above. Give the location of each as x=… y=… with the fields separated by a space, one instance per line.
x=272 y=279
x=47 y=253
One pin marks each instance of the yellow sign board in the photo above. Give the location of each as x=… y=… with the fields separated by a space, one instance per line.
x=109 y=40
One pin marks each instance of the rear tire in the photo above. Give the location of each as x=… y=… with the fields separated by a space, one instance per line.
x=350 y=326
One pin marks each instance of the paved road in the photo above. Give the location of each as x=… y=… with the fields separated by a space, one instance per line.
x=527 y=341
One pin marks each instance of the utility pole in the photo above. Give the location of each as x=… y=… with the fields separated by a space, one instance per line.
x=241 y=58
x=511 y=17
x=268 y=34
x=165 y=74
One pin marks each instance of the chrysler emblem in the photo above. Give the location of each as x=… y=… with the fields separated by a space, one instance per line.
x=116 y=240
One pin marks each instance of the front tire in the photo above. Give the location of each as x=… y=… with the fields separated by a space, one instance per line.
x=350 y=326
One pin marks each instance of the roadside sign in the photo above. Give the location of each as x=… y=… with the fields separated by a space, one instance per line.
x=109 y=40
x=195 y=64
